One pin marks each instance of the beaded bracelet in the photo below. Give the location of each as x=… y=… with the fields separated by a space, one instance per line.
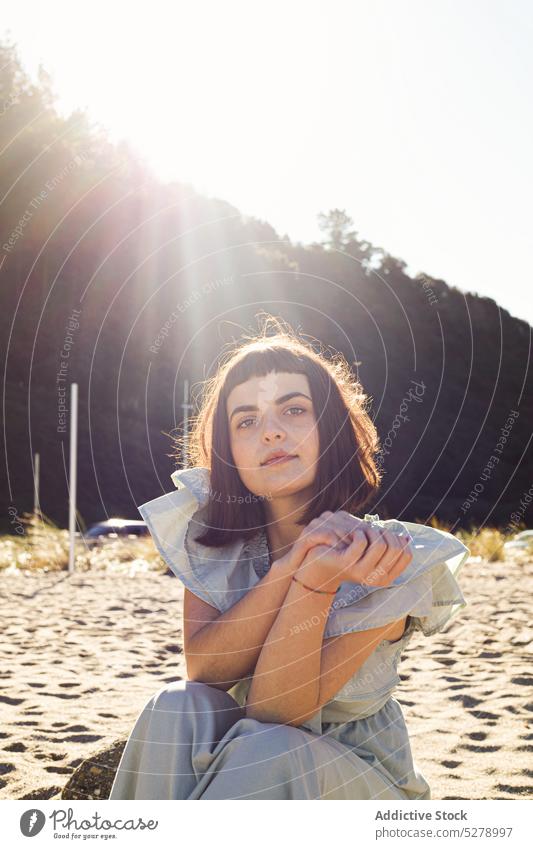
x=324 y=592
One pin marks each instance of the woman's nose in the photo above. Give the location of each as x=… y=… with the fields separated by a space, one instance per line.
x=272 y=430
x=269 y=436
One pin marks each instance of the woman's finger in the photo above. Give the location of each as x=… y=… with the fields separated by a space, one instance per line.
x=383 y=577
x=310 y=538
x=344 y=523
x=401 y=564
x=395 y=549
x=377 y=548
x=373 y=566
x=322 y=525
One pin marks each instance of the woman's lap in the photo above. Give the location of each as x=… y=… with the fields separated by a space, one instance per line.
x=193 y=741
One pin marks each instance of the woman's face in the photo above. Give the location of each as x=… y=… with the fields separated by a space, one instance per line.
x=278 y=416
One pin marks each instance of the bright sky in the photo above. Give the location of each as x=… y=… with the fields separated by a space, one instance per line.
x=415 y=117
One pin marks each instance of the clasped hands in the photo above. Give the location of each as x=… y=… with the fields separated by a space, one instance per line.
x=337 y=547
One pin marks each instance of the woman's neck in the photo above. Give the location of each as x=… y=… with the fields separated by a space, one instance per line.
x=281 y=526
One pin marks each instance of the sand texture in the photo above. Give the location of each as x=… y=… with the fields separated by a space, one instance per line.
x=81 y=655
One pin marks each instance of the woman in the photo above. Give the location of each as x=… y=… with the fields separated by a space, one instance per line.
x=296 y=611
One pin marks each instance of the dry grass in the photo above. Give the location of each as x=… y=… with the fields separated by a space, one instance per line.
x=487 y=543
x=44 y=547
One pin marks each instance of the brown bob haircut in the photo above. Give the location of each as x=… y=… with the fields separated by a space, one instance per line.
x=347 y=475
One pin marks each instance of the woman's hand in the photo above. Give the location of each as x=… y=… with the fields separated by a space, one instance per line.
x=330 y=529
x=364 y=555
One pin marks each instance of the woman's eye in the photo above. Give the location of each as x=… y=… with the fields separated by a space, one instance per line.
x=244 y=422
x=243 y=425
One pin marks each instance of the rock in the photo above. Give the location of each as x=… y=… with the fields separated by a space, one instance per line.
x=52 y=792
x=94 y=777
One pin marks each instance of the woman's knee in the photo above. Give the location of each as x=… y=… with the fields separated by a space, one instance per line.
x=191 y=696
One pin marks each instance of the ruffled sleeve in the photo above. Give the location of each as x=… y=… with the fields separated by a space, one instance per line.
x=219 y=576
x=427 y=590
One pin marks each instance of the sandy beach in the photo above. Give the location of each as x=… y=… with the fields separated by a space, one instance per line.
x=81 y=655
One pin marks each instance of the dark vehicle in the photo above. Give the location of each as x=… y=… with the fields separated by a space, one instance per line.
x=522 y=541
x=113 y=529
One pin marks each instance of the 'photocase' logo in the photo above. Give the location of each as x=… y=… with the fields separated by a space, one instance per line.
x=31 y=822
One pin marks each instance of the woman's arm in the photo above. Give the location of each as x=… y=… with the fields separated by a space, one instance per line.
x=286 y=682
x=226 y=649
x=293 y=671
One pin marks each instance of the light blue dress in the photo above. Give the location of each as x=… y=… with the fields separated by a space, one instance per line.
x=193 y=741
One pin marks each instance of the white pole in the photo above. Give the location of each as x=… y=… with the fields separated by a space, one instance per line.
x=185 y=407
x=72 y=478
x=36 y=503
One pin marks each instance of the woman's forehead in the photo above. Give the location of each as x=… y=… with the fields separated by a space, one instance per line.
x=268 y=388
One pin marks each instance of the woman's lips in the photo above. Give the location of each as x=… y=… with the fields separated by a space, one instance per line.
x=280 y=460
